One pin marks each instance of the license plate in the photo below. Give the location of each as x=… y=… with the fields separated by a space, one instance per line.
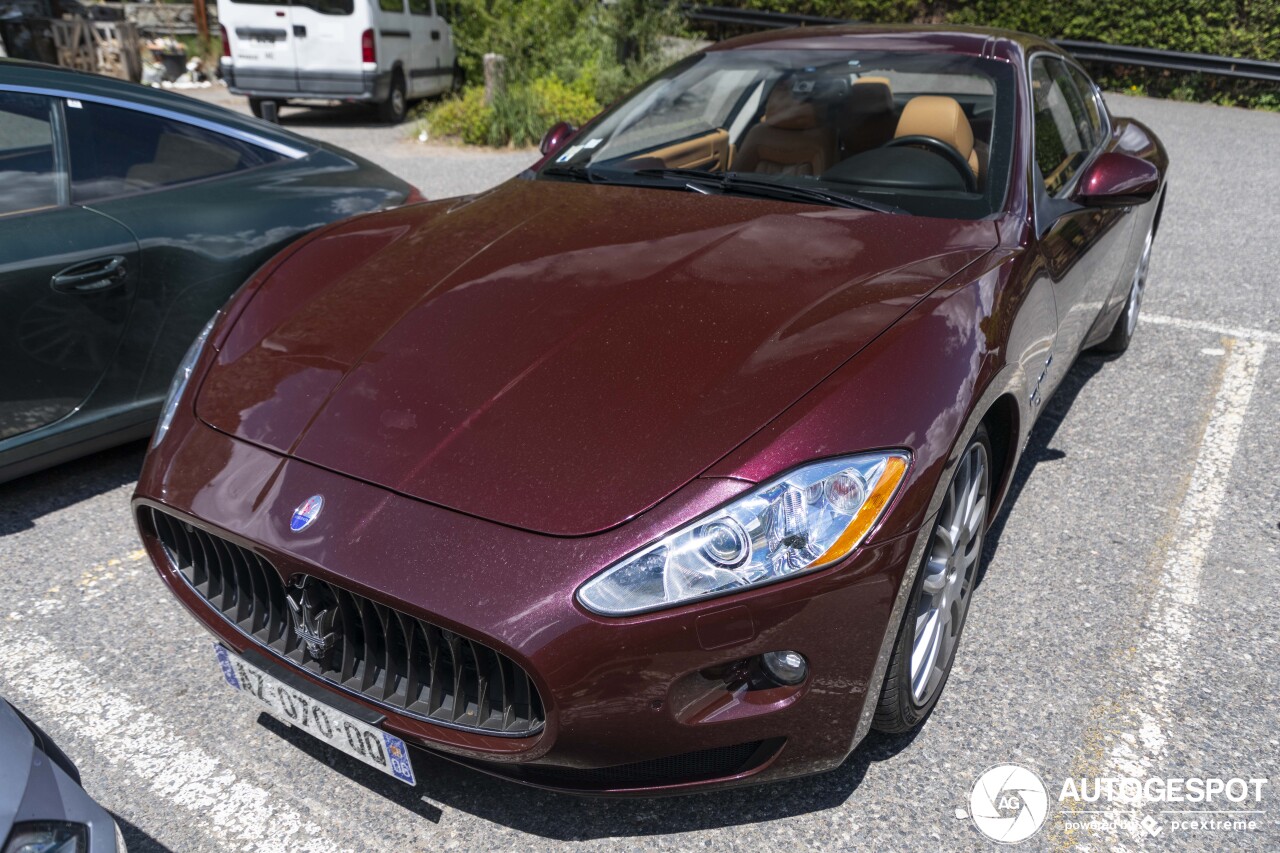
x=343 y=732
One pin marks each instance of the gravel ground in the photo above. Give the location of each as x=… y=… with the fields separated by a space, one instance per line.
x=1125 y=623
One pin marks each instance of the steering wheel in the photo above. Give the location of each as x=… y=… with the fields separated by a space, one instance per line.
x=947 y=152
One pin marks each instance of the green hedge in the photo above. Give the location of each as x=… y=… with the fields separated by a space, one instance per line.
x=1248 y=29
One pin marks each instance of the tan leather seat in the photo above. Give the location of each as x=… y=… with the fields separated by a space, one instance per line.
x=184 y=158
x=939 y=117
x=789 y=140
x=865 y=118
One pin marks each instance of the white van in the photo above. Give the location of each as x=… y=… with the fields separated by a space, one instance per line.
x=385 y=52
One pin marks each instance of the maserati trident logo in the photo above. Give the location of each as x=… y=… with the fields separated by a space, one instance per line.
x=306 y=513
x=312 y=620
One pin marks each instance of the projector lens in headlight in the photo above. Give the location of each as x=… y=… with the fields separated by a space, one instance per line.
x=803 y=521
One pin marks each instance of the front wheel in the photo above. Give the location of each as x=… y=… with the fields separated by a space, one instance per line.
x=939 y=602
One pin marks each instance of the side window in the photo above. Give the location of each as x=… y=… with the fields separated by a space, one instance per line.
x=28 y=170
x=391 y=5
x=115 y=151
x=1089 y=96
x=1061 y=145
x=420 y=7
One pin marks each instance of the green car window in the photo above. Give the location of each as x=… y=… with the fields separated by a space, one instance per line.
x=117 y=151
x=28 y=170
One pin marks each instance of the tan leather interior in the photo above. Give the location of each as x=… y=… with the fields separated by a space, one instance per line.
x=865 y=118
x=182 y=158
x=711 y=150
x=790 y=140
x=939 y=117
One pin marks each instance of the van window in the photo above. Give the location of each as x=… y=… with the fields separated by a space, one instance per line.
x=324 y=7
x=420 y=7
x=115 y=151
x=391 y=5
x=27 y=169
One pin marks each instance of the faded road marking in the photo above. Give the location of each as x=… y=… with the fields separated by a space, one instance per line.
x=238 y=812
x=1143 y=726
x=1261 y=336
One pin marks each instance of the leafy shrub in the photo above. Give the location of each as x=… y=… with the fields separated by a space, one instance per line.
x=520 y=115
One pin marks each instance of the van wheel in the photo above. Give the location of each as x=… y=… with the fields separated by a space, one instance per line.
x=393 y=109
x=256 y=106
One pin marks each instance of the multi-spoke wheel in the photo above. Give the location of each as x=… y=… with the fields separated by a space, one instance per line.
x=936 y=611
x=1127 y=322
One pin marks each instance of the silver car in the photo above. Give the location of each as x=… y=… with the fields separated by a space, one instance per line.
x=43 y=809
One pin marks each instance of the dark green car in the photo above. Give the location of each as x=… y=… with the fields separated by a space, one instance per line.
x=127 y=217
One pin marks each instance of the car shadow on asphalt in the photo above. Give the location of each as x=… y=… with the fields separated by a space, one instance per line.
x=26 y=499
x=136 y=839
x=1038 y=448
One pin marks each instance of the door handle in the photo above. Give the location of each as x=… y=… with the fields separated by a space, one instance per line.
x=91 y=276
x=300 y=31
x=435 y=35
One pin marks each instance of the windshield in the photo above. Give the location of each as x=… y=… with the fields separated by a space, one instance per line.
x=923 y=133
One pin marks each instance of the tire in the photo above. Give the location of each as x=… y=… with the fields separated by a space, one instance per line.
x=939 y=603
x=1127 y=323
x=393 y=109
x=255 y=106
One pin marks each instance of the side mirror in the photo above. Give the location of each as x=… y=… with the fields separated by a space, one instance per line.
x=1118 y=180
x=556 y=136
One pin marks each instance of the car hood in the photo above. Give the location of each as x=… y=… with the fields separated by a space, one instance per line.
x=559 y=357
x=17 y=745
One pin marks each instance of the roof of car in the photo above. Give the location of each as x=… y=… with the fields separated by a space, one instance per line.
x=21 y=73
x=977 y=41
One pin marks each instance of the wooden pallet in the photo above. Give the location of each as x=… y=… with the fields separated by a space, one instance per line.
x=106 y=47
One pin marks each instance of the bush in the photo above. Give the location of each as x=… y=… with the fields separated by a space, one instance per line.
x=518 y=116
x=564 y=58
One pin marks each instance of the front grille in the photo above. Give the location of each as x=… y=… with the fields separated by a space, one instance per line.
x=396 y=660
x=703 y=765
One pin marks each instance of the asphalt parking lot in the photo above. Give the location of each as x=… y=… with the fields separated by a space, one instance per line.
x=1125 y=625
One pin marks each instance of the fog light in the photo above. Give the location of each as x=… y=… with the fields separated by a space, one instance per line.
x=785 y=667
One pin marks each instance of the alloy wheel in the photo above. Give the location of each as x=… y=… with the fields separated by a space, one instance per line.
x=948 y=573
x=1139 y=284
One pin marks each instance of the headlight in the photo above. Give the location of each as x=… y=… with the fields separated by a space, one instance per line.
x=181 y=378
x=803 y=521
x=48 y=836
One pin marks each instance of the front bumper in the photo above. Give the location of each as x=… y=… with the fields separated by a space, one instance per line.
x=634 y=705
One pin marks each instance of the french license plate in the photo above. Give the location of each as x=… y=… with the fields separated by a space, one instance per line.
x=343 y=732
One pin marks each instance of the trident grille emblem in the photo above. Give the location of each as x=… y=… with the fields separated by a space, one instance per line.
x=312 y=621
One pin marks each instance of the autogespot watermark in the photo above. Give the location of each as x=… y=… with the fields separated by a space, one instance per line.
x=1010 y=803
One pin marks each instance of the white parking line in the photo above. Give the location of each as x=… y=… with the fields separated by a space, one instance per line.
x=1162 y=647
x=237 y=812
x=1237 y=332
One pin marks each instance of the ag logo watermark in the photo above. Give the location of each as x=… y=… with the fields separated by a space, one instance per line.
x=1008 y=803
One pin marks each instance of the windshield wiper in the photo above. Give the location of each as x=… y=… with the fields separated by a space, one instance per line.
x=574 y=172
x=739 y=182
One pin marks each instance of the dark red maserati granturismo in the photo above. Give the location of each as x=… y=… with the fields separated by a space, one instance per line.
x=666 y=464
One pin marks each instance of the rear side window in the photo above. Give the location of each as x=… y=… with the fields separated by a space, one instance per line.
x=391 y=5
x=324 y=7
x=28 y=170
x=116 y=151
x=1063 y=137
x=420 y=7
